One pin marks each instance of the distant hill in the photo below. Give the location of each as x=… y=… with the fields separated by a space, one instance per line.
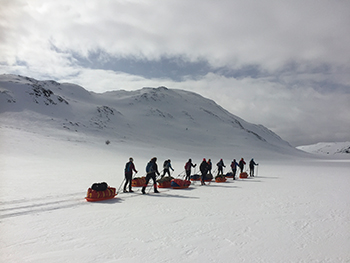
x=328 y=148
x=174 y=119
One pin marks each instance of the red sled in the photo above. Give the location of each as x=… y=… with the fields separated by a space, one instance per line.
x=195 y=177
x=220 y=179
x=180 y=184
x=164 y=184
x=94 y=196
x=243 y=175
x=138 y=182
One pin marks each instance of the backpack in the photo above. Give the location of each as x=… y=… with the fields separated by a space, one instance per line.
x=149 y=167
x=166 y=165
x=99 y=186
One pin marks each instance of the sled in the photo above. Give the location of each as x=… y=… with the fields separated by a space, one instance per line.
x=229 y=175
x=180 y=184
x=208 y=178
x=138 y=181
x=94 y=196
x=220 y=179
x=243 y=175
x=195 y=177
x=164 y=184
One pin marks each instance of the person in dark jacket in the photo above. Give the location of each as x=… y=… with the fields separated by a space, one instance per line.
x=251 y=167
x=188 y=166
x=204 y=170
x=220 y=166
x=152 y=171
x=234 y=165
x=210 y=166
x=166 y=167
x=241 y=164
x=129 y=168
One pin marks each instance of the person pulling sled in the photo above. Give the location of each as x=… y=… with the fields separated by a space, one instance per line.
x=241 y=165
x=204 y=170
x=188 y=167
x=152 y=171
x=251 y=167
x=234 y=165
x=167 y=167
x=129 y=168
x=220 y=166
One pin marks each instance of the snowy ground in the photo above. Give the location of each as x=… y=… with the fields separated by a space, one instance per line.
x=294 y=211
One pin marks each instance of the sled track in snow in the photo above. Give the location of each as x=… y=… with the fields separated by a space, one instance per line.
x=20 y=207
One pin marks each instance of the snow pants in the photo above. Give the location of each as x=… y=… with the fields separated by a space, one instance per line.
x=128 y=179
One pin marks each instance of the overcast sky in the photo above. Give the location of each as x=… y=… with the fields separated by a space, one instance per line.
x=282 y=64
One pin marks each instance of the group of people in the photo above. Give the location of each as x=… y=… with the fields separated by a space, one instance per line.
x=205 y=168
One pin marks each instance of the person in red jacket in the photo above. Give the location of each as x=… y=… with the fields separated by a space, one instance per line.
x=188 y=166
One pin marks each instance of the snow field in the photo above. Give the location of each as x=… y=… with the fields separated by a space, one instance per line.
x=293 y=211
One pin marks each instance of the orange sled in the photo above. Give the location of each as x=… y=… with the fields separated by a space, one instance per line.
x=164 y=185
x=243 y=175
x=220 y=179
x=93 y=196
x=138 y=182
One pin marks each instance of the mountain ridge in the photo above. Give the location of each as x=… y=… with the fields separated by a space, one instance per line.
x=148 y=115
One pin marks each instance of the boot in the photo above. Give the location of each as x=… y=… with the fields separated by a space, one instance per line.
x=143 y=190
x=155 y=189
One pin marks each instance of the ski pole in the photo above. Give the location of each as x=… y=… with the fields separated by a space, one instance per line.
x=120 y=185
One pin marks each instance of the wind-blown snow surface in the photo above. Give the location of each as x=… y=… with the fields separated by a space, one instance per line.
x=295 y=210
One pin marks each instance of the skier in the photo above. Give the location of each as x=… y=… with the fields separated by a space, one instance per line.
x=166 y=167
x=241 y=164
x=221 y=166
x=234 y=165
x=210 y=166
x=152 y=170
x=204 y=169
x=188 y=166
x=251 y=167
x=129 y=167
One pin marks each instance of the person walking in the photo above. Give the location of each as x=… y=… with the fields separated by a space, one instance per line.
x=152 y=171
x=241 y=164
x=220 y=166
x=129 y=168
x=204 y=170
x=166 y=167
x=188 y=167
x=251 y=167
x=210 y=166
x=234 y=165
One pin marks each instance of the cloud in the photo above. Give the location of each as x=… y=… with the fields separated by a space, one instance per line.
x=282 y=64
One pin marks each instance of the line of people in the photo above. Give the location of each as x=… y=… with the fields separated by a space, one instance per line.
x=205 y=168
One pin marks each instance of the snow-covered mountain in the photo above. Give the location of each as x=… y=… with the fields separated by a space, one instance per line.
x=146 y=117
x=328 y=148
